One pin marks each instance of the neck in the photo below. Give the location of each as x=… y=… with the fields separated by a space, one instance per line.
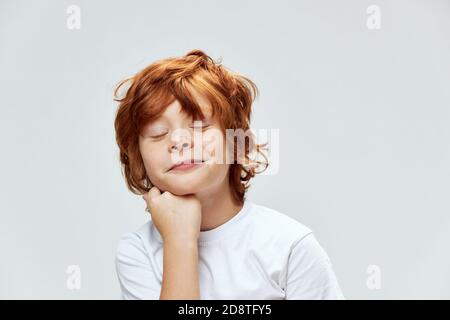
x=218 y=206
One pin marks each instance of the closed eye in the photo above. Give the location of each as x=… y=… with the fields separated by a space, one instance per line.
x=159 y=135
x=205 y=126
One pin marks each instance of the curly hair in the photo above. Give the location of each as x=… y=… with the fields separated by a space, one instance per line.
x=155 y=87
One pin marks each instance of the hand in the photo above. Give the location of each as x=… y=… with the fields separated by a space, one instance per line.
x=177 y=218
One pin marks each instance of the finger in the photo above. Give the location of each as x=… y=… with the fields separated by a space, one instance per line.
x=153 y=193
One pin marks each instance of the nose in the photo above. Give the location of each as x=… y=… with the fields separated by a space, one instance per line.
x=180 y=143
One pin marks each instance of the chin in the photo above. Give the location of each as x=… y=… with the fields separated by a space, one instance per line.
x=182 y=191
x=181 y=186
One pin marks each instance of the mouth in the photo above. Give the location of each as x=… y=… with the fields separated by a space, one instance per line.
x=186 y=164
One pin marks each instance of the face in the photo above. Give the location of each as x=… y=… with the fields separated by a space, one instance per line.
x=176 y=137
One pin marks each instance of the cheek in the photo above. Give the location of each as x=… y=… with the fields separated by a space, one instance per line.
x=215 y=174
x=214 y=146
x=153 y=160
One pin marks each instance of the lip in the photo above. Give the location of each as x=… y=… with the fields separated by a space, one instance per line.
x=186 y=164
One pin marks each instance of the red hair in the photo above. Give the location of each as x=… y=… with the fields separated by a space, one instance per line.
x=155 y=87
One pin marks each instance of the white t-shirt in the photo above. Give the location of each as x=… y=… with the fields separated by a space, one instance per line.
x=260 y=253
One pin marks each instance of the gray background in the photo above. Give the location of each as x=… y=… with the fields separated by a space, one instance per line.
x=363 y=118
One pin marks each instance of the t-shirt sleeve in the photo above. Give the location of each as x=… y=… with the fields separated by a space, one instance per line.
x=310 y=274
x=136 y=275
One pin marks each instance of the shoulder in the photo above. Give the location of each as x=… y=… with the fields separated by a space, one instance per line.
x=287 y=232
x=271 y=222
x=305 y=270
x=135 y=244
x=310 y=273
x=137 y=268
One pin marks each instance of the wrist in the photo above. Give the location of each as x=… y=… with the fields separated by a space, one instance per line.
x=184 y=243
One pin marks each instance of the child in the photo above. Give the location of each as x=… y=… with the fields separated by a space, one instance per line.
x=205 y=239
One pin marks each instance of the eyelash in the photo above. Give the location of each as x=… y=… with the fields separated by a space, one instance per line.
x=159 y=136
x=163 y=134
x=202 y=127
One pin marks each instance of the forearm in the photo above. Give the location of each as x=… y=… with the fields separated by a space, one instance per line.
x=180 y=271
